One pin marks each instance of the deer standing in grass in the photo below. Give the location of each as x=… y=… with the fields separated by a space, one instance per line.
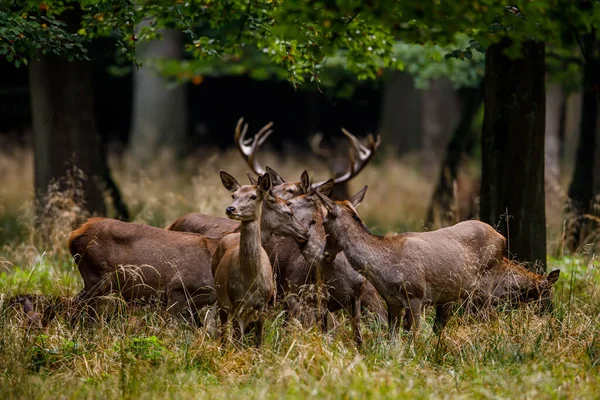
x=243 y=273
x=439 y=268
x=345 y=288
x=140 y=261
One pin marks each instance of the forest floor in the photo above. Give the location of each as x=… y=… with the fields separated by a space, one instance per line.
x=143 y=353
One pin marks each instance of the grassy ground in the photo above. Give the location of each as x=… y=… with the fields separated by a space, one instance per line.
x=142 y=353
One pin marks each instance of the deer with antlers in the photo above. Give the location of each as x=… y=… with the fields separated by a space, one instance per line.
x=292 y=270
x=439 y=268
x=359 y=156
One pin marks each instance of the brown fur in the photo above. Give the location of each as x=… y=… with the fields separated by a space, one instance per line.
x=346 y=288
x=140 y=261
x=436 y=268
x=243 y=273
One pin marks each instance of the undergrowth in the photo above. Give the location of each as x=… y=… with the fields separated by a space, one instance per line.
x=141 y=352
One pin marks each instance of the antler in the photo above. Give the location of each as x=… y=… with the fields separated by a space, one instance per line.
x=248 y=147
x=315 y=145
x=359 y=155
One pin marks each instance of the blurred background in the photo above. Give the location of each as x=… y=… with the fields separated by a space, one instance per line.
x=166 y=128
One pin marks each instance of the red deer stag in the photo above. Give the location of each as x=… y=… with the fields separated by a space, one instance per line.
x=442 y=267
x=359 y=156
x=243 y=273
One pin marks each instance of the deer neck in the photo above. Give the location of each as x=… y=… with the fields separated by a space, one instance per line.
x=360 y=246
x=251 y=245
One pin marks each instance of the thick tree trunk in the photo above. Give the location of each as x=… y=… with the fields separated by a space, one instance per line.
x=65 y=134
x=442 y=208
x=400 y=116
x=439 y=116
x=581 y=190
x=159 y=118
x=512 y=187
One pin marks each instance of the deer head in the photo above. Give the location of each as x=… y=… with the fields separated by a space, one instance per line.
x=336 y=215
x=277 y=217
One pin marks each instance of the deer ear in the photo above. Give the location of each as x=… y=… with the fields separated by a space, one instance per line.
x=252 y=179
x=264 y=183
x=276 y=179
x=229 y=182
x=553 y=276
x=358 y=197
x=305 y=181
x=326 y=187
x=329 y=205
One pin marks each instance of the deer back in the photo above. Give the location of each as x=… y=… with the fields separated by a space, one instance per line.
x=138 y=260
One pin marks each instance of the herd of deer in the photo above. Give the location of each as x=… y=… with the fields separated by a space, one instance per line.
x=280 y=236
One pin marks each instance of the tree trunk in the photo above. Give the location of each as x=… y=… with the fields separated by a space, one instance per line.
x=512 y=187
x=400 y=116
x=581 y=190
x=159 y=118
x=554 y=118
x=439 y=111
x=64 y=128
x=442 y=210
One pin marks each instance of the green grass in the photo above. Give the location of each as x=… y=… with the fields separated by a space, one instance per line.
x=141 y=352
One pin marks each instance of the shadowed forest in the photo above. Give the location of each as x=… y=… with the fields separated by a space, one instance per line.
x=328 y=199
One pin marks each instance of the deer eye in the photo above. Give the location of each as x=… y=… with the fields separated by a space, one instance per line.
x=289 y=214
x=312 y=222
x=233 y=196
x=291 y=191
x=253 y=197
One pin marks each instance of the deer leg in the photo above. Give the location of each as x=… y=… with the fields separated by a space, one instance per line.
x=412 y=315
x=442 y=313
x=224 y=317
x=238 y=330
x=394 y=311
x=355 y=311
x=258 y=331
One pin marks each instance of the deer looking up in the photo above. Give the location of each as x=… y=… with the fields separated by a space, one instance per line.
x=243 y=273
x=436 y=268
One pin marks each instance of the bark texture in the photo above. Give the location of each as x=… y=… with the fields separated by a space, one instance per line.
x=512 y=187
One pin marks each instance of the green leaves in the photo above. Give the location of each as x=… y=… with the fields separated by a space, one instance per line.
x=24 y=35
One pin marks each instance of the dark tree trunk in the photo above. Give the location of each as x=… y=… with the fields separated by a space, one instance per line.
x=441 y=211
x=581 y=189
x=439 y=113
x=401 y=114
x=513 y=149
x=65 y=134
x=159 y=118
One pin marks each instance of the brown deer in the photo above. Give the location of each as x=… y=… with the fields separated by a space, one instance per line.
x=140 y=262
x=243 y=273
x=359 y=156
x=439 y=268
x=346 y=288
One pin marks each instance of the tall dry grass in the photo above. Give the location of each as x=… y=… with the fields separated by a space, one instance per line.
x=140 y=352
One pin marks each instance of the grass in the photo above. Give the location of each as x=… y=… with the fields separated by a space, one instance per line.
x=142 y=353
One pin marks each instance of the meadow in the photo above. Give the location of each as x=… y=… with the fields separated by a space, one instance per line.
x=141 y=352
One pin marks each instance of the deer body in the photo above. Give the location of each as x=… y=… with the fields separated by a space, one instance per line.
x=412 y=270
x=140 y=261
x=346 y=289
x=243 y=273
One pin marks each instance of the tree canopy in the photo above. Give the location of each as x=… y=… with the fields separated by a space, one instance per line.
x=299 y=40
